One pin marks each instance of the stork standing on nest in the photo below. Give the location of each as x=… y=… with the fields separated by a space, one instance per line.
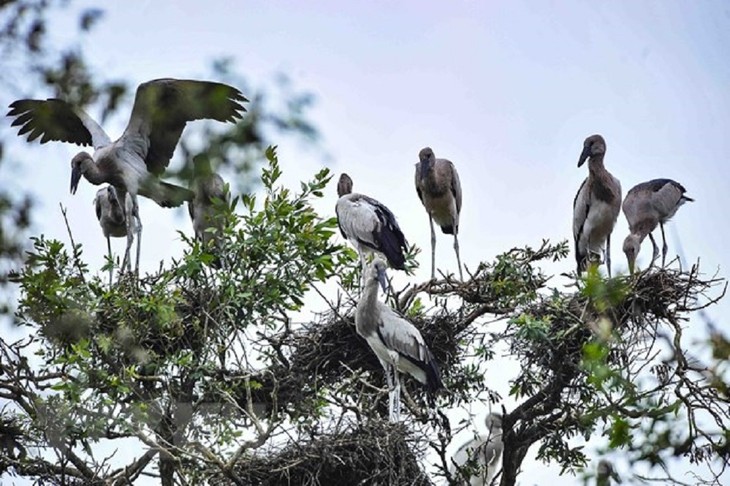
x=647 y=205
x=439 y=189
x=596 y=206
x=210 y=189
x=133 y=163
x=369 y=225
x=112 y=216
x=485 y=450
x=394 y=340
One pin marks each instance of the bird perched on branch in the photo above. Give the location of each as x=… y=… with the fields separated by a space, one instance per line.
x=133 y=163
x=647 y=205
x=210 y=190
x=439 y=189
x=596 y=206
x=395 y=341
x=484 y=450
x=112 y=216
x=369 y=225
x=605 y=473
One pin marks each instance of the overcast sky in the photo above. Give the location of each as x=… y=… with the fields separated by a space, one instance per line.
x=506 y=90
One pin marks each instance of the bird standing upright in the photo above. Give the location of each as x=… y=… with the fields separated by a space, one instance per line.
x=485 y=450
x=647 y=205
x=596 y=206
x=369 y=225
x=394 y=340
x=134 y=162
x=112 y=216
x=208 y=188
x=439 y=189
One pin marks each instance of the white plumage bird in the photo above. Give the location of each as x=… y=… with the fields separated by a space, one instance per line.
x=647 y=205
x=483 y=451
x=134 y=162
x=439 y=189
x=396 y=342
x=112 y=216
x=596 y=206
x=369 y=225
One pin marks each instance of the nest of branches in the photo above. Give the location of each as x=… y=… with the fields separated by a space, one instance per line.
x=374 y=453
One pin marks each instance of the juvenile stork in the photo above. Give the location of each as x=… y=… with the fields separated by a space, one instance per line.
x=369 y=225
x=112 y=216
x=484 y=451
x=595 y=207
x=209 y=189
x=133 y=163
x=395 y=341
x=647 y=205
x=439 y=189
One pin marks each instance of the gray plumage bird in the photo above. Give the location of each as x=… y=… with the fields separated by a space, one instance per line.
x=485 y=450
x=395 y=341
x=210 y=189
x=112 y=216
x=133 y=163
x=605 y=473
x=369 y=225
x=596 y=206
x=647 y=205
x=439 y=189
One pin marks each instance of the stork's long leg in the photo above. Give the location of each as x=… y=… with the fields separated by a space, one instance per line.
x=433 y=248
x=395 y=417
x=608 y=254
x=664 y=245
x=458 y=258
x=111 y=262
x=655 y=252
x=139 y=241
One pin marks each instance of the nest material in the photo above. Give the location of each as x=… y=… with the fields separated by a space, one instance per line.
x=374 y=453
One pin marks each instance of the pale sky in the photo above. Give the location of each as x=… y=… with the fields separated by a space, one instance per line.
x=505 y=90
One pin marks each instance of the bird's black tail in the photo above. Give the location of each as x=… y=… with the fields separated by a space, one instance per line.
x=393 y=245
x=448 y=229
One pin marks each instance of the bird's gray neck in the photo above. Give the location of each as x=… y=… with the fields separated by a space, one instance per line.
x=425 y=168
x=93 y=174
x=367 y=305
x=595 y=165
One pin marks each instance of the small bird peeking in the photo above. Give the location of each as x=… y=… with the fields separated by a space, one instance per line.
x=439 y=189
x=647 y=205
x=210 y=193
x=596 y=206
x=369 y=226
x=485 y=450
x=395 y=341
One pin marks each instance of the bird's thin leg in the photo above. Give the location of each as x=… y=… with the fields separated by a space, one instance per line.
x=396 y=391
x=458 y=258
x=655 y=252
x=111 y=262
x=433 y=248
x=391 y=388
x=139 y=241
x=126 y=261
x=608 y=254
x=664 y=245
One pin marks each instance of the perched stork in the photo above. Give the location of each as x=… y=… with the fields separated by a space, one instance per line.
x=605 y=473
x=596 y=206
x=485 y=450
x=133 y=163
x=647 y=205
x=369 y=225
x=439 y=189
x=112 y=216
x=208 y=188
x=396 y=342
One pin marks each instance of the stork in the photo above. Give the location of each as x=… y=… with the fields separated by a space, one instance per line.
x=439 y=189
x=112 y=216
x=394 y=340
x=605 y=473
x=596 y=206
x=647 y=205
x=484 y=450
x=134 y=162
x=369 y=225
x=209 y=189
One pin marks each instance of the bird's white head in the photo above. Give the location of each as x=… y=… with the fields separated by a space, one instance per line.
x=593 y=145
x=494 y=422
x=632 y=244
x=344 y=185
x=79 y=166
x=377 y=273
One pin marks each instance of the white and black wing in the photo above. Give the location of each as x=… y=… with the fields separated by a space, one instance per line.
x=56 y=120
x=581 y=207
x=162 y=107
